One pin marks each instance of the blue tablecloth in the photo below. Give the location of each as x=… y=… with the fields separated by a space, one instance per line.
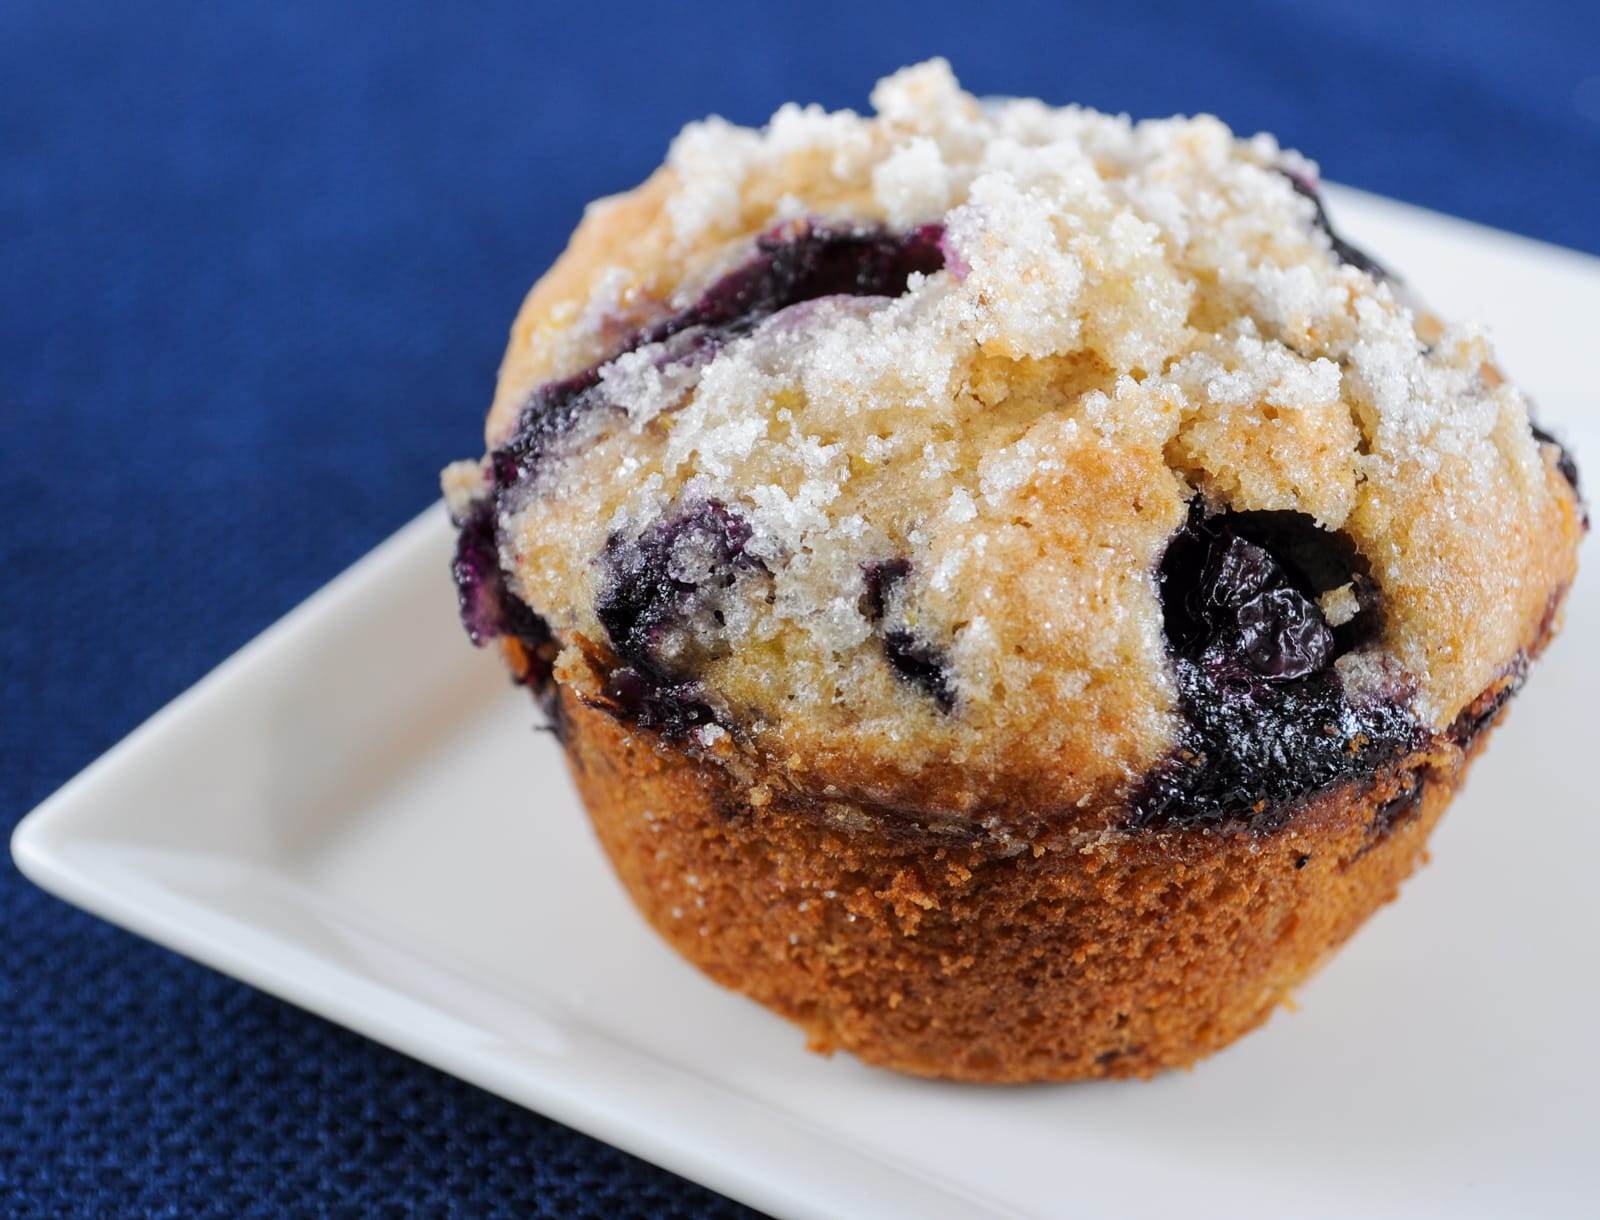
x=256 y=264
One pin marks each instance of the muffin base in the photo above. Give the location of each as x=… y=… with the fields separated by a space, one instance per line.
x=974 y=956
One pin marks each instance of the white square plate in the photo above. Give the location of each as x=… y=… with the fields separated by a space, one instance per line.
x=355 y=814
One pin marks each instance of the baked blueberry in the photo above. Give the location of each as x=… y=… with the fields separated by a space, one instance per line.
x=661 y=592
x=489 y=610
x=881 y=577
x=1269 y=724
x=643 y=698
x=1565 y=462
x=791 y=264
x=919 y=662
x=1306 y=187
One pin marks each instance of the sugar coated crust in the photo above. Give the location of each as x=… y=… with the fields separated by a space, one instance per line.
x=1128 y=315
x=1015 y=586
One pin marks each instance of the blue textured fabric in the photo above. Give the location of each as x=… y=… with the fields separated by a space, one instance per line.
x=256 y=264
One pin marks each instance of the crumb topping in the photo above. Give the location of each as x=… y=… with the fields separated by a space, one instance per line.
x=1128 y=314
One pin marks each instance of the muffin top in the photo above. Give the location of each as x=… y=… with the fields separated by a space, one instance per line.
x=980 y=456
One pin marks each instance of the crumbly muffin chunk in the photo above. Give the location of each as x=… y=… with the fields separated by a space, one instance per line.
x=854 y=451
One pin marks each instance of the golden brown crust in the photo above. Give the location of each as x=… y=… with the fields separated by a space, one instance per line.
x=942 y=949
x=959 y=956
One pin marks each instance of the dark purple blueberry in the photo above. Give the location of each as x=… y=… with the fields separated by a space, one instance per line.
x=1266 y=720
x=551 y=412
x=1282 y=635
x=649 y=598
x=1476 y=719
x=1236 y=573
x=1230 y=603
x=670 y=708
x=480 y=588
x=628 y=689
x=1342 y=250
x=1314 y=559
x=921 y=663
x=881 y=577
x=1565 y=462
x=805 y=262
x=1249 y=756
x=913 y=659
x=1398 y=808
x=791 y=264
x=488 y=607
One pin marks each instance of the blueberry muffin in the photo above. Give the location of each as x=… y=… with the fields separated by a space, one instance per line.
x=1015 y=588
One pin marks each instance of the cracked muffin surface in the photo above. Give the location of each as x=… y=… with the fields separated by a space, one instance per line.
x=993 y=459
